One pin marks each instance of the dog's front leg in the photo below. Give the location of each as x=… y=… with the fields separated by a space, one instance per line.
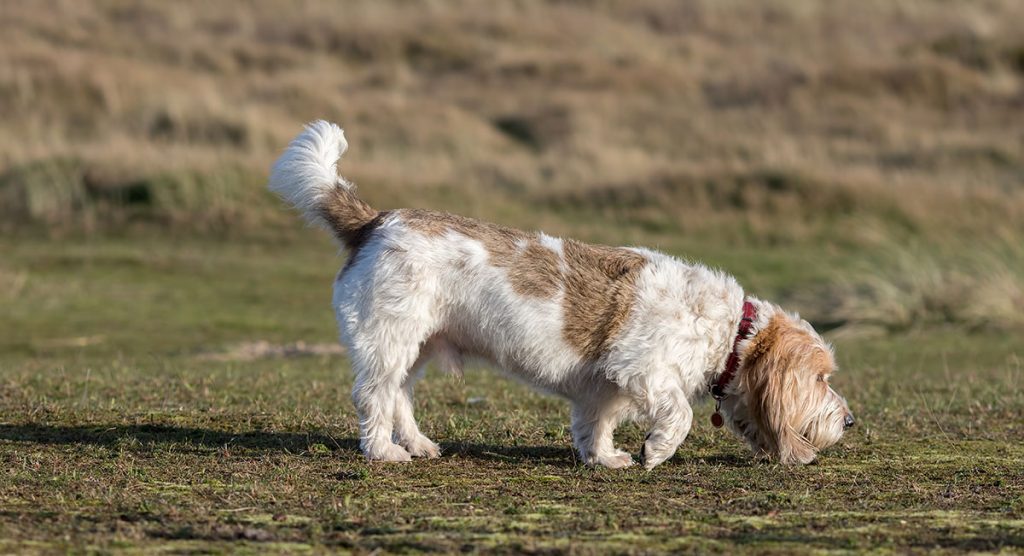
x=671 y=418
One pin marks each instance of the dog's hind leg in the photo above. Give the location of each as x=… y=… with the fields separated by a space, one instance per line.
x=375 y=393
x=383 y=397
x=407 y=432
x=386 y=306
x=593 y=424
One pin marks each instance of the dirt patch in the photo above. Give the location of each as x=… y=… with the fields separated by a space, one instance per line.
x=251 y=351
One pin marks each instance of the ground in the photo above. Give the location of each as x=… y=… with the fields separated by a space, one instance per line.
x=137 y=414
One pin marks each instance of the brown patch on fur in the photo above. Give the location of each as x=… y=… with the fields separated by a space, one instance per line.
x=779 y=374
x=351 y=219
x=600 y=289
x=533 y=270
x=360 y=236
x=436 y=223
x=599 y=281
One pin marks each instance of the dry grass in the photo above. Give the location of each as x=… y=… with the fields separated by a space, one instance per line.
x=911 y=288
x=908 y=114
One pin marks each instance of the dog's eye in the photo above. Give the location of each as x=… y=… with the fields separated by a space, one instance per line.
x=821 y=378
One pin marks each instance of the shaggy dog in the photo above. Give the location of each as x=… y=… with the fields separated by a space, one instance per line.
x=620 y=332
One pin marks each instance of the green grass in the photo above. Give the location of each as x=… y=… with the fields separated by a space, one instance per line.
x=118 y=432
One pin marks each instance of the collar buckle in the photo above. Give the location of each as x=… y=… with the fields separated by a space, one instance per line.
x=717 y=391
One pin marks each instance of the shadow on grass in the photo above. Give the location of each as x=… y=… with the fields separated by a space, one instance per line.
x=858 y=537
x=184 y=438
x=155 y=434
x=561 y=456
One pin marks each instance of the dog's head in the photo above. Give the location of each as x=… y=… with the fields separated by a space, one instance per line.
x=781 y=402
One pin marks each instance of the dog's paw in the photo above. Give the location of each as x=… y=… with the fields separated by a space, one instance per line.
x=651 y=458
x=653 y=454
x=422 y=447
x=388 y=452
x=616 y=460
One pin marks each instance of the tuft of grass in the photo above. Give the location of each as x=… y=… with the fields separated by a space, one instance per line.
x=980 y=287
x=68 y=196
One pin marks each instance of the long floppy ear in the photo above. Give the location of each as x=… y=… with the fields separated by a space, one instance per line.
x=772 y=379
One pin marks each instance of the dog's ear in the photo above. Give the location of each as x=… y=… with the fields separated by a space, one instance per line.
x=774 y=379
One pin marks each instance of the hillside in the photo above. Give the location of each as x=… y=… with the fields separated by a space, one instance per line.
x=799 y=121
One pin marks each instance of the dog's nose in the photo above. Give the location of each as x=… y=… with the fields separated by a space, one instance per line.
x=848 y=421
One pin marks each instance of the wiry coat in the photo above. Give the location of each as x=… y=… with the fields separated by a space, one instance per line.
x=620 y=332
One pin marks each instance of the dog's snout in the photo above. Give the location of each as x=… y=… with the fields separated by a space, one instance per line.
x=849 y=421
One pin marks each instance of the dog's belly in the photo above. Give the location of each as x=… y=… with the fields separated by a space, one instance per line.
x=580 y=383
x=524 y=341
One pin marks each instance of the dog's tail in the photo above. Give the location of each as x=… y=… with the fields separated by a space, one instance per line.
x=306 y=176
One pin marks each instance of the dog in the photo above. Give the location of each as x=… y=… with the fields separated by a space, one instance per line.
x=621 y=333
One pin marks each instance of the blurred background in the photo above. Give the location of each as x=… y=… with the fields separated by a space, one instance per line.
x=860 y=161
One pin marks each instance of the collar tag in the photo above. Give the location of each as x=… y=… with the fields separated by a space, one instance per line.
x=716 y=418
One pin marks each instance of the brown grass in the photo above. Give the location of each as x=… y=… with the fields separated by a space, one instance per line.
x=910 y=109
x=979 y=287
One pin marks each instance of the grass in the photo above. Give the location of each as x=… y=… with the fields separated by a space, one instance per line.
x=118 y=431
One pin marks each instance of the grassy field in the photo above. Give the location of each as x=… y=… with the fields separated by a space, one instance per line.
x=169 y=377
x=136 y=413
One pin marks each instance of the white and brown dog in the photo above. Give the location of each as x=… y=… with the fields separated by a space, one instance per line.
x=619 y=332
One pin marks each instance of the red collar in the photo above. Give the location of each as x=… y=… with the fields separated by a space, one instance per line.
x=733 y=362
